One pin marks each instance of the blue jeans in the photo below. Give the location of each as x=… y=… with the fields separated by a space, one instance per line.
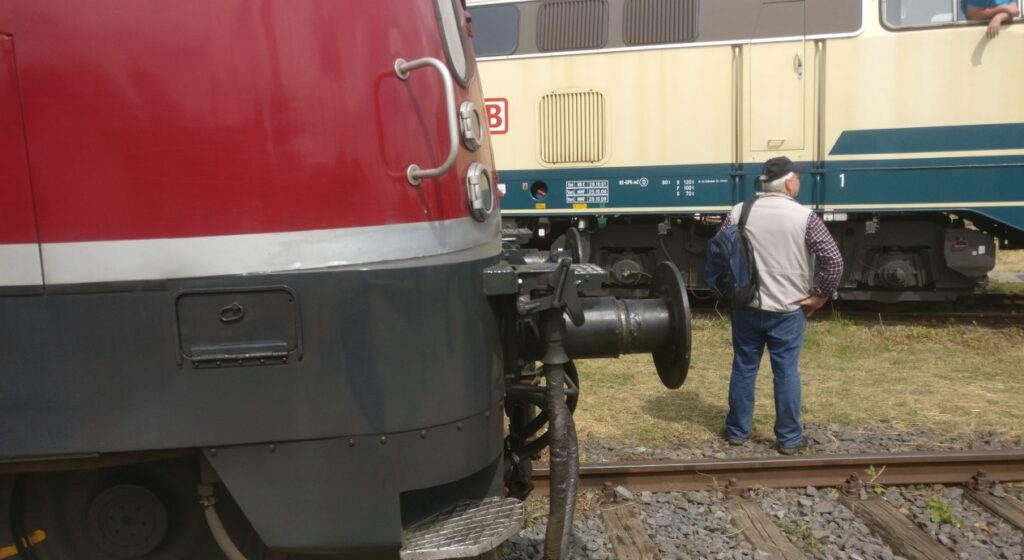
x=783 y=333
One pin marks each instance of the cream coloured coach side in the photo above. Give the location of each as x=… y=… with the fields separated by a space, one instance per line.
x=677 y=104
x=899 y=108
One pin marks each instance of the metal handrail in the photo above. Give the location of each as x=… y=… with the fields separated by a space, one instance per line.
x=415 y=173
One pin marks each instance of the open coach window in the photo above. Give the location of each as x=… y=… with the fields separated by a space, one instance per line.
x=924 y=13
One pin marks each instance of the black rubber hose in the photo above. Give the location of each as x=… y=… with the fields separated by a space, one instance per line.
x=565 y=461
x=17 y=518
x=564 y=467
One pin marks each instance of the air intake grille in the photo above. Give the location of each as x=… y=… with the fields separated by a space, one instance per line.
x=568 y=25
x=572 y=127
x=656 y=22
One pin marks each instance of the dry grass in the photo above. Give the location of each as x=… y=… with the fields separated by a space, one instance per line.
x=1010 y=261
x=947 y=378
x=996 y=286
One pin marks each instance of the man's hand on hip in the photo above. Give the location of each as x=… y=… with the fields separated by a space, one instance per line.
x=812 y=304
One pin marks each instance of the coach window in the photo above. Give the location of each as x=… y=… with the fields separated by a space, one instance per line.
x=495 y=30
x=923 y=13
x=915 y=13
x=572 y=25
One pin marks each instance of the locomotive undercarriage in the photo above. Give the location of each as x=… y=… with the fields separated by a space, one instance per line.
x=143 y=507
x=889 y=258
x=158 y=505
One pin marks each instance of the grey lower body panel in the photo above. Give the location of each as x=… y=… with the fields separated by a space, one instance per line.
x=372 y=352
x=329 y=402
x=353 y=493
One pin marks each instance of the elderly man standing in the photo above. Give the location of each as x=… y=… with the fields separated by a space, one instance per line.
x=798 y=267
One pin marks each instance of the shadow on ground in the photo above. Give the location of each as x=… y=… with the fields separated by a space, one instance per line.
x=687 y=406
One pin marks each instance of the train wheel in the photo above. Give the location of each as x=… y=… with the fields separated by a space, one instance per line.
x=138 y=512
x=528 y=424
x=575 y=243
x=529 y=437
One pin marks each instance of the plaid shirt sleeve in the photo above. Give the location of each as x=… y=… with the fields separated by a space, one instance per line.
x=827 y=257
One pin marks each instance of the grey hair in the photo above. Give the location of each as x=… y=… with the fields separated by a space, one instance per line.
x=778 y=185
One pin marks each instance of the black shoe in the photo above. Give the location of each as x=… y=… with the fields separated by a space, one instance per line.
x=734 y=441
x=804 y=444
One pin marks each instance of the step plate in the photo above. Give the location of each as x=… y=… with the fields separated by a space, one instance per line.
x=471 y=529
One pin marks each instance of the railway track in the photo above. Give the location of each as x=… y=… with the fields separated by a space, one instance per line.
x=799 y=472
x=863 y=498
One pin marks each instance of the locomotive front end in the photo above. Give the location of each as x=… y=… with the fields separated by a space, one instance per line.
x=262 y=308
x=258 y=234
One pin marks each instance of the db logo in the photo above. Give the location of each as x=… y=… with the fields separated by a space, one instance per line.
x=497 y=115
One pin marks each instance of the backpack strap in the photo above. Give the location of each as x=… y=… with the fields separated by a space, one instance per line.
x=748 y=255
x=745 y=213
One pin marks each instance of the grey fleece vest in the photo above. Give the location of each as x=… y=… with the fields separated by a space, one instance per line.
x=777 y=229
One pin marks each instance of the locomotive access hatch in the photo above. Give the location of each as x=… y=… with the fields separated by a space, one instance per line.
x=233 y=328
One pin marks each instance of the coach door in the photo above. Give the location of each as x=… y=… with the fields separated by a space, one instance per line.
x=777 y=72
x=19 y=245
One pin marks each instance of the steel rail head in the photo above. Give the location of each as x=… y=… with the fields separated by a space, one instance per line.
x=797 y=472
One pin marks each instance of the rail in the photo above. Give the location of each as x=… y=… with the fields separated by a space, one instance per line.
x=797 y=472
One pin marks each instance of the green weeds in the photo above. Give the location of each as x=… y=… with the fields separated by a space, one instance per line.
x=941 y=511
x=801 y=532
x=877 y=488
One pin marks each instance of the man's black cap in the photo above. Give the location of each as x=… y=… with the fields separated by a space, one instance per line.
x=778 y=167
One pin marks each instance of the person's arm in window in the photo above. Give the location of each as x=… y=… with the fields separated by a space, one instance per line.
x=996 y=15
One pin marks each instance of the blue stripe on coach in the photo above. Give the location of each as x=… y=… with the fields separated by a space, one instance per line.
x=930 y=139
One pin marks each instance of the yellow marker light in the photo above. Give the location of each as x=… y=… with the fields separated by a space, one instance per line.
x=11 y=551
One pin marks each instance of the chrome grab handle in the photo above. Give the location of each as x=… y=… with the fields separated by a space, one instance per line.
x=402 y=68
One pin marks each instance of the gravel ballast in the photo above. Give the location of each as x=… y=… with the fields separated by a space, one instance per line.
x=825 y=439
x=697 y=525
